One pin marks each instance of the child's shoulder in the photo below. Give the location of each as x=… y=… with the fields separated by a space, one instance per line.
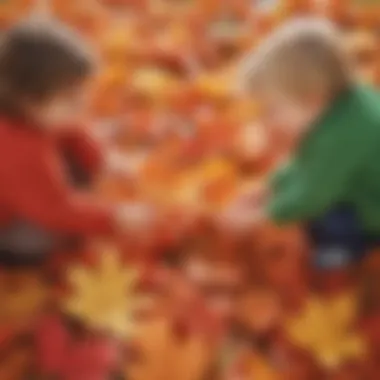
x=358 y=114
x=352 y=121
x=16 y=135
x=367 y=103
x=369 y=116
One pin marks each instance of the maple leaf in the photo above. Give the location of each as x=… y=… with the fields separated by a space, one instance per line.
x=16 y=362
x=102 y=296
x=153 y=83
x=164 y=356
x=261 y=369
x=51 y=340
x=216 y=86
x=60 y=353
x=326 y=329
x=23 y=293
x=250 y=365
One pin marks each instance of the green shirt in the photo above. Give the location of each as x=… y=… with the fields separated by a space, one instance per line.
x=337 y=162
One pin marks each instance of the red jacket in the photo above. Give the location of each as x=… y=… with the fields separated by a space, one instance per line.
x=82 y=148
x=35 y=187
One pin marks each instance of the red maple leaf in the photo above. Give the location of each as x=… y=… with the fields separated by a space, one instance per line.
x=73 y=358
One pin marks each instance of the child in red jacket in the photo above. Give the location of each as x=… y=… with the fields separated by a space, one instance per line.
x=43 y=72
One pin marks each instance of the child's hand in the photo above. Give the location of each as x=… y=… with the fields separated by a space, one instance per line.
x=135 y=217
x=245 y=212
x=107 y=131
x=122 y=164
x=253 y=194
x=239 y=219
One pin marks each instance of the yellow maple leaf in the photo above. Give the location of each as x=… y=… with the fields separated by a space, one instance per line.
x=326 y=329
x=187 y=193
x=102 y=297
x=26 y=300
x=216 y=168
x=153 y=82
x=216 y=86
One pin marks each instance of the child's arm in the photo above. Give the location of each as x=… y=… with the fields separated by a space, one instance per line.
x=34 y=188
x=41 y=195
x=317 y=178
x=247 y=210
x=96 y=156
x=84 y=148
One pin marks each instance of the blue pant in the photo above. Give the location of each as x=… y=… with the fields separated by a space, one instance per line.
x=338 y=238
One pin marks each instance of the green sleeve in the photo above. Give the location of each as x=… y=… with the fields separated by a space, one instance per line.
x=279 y=177
x=320 y=176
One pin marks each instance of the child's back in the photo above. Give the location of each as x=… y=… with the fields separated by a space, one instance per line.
x=335 y=163
x=32 y=236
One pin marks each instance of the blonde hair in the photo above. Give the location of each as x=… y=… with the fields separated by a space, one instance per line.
x=301 y=57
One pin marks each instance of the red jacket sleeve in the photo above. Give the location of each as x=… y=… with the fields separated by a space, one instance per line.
x=84 y=148
x=35 y=188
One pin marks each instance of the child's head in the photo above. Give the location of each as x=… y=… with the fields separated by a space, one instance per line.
x=43 y=69
x=296 y=72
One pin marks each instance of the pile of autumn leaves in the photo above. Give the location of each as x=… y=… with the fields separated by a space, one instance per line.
x=193 y=147
x=91 y=331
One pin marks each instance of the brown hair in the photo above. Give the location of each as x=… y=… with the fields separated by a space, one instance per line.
x=302 y=56
x=39 y=59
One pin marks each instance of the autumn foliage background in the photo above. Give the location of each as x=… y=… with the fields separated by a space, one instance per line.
x=191 y=299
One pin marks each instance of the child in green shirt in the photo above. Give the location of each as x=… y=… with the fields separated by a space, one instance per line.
x=331 y=183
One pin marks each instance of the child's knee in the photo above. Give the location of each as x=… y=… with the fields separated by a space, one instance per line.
x=24 y=243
